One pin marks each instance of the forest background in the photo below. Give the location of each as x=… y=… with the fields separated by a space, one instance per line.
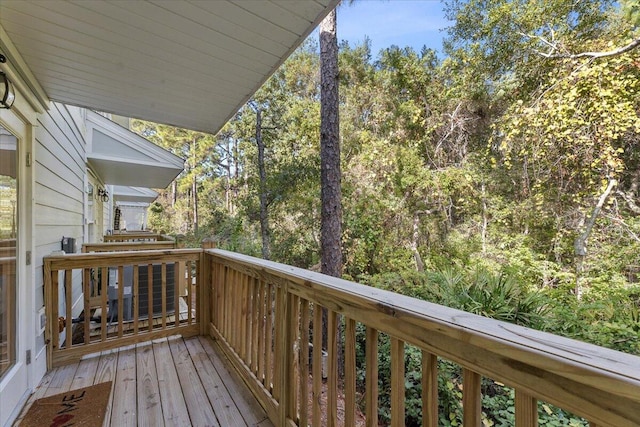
x=502 y=179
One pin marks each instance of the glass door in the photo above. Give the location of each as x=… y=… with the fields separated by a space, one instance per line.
x=8 y=235
x=16 y=295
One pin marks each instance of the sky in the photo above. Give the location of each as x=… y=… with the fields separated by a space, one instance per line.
x=387 y=22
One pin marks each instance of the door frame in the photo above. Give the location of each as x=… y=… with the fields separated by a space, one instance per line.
x=21 y=378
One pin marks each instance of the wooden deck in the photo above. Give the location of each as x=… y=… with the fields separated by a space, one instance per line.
x=172 y=382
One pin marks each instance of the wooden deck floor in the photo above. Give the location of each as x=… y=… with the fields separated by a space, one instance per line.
x=171 y=382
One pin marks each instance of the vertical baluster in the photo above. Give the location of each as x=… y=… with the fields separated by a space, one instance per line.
x=134 y=295
x=471 y=398
x=121 y=286
x=261 y=331
x=294 y=356
x=526 y=410
x=397 y=383
x=317 y=365
x=222 y=297
x=104 y=276
x=350 y=372
x=255 y=319
x=86 y=292
x=243 y=317
x=150 y=299
x=231 y=302
x=332 y=380
x=68 y=285
x=304 y=363
x=191 y=291
x=429 y=390
x=269 y=347
x=55 y=306
x=179 y=280
x=163 y=278
x=284 y=344
x=233 y=310
x=247 y=320
x=371 y=377
x=277 y=350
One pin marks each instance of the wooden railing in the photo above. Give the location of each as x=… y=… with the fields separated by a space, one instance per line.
x=128 y=246
x=139 y=296
x=265 y=315
x=139 y=236
x=267 y=318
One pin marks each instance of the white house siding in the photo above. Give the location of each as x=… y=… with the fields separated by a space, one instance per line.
x=60 y=167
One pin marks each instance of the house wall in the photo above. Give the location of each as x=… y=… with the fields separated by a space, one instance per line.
x=96 y=211
x=60 y=168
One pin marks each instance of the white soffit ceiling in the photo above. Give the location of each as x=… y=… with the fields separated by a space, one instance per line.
x=121 y=157
x=191 y=64
x=133 y=195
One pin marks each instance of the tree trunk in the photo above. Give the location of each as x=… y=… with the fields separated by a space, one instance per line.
x=330 y=175
x=264 y=217
x=331 y=217
x=174 y=193
x=485 y=219
x=194 y=191
x=580 y=244
x=414 y=242
x=227 y=167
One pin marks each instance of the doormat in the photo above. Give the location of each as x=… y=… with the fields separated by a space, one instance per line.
x=82 y=407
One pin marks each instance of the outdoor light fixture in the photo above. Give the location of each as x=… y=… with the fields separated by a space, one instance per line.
x=7 y=95
x=102 y=195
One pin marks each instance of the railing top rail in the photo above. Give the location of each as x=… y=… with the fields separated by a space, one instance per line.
x=123 y=246
x=105 y=259
x=560 y=370
x=137 y=235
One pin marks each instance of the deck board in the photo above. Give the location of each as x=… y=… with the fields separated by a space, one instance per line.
x=221 y=401
x=149 y=406
x=123 y=410
x=168 y=382
x=106 y=371
x=174 y=407
x=249 y=407
x=200 y=410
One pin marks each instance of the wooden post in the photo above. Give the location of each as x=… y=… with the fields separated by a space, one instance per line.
x=429 y=390
x=208 y=243
x=332 y=376
x=350 y=372
x=371 y=377
x=397 y=383
x=471 y=399
x=204 y=288
x=317 y=365
x=284 y=346
x=304 y=363
x=526 y=410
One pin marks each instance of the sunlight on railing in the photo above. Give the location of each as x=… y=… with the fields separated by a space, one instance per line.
x=268 y=317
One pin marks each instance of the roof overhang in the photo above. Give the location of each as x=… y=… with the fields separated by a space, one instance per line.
x=187 y=64
x=121 y=157
x=133 y=195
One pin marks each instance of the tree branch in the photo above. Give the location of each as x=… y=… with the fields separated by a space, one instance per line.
x=631 y=203
x=580 y=244
x=635 y=43
x=554 y=49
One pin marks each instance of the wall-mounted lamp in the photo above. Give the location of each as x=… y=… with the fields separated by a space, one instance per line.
x=102 y=195
x=7 y=95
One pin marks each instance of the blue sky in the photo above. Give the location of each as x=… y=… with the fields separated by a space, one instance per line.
x=386 y=22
